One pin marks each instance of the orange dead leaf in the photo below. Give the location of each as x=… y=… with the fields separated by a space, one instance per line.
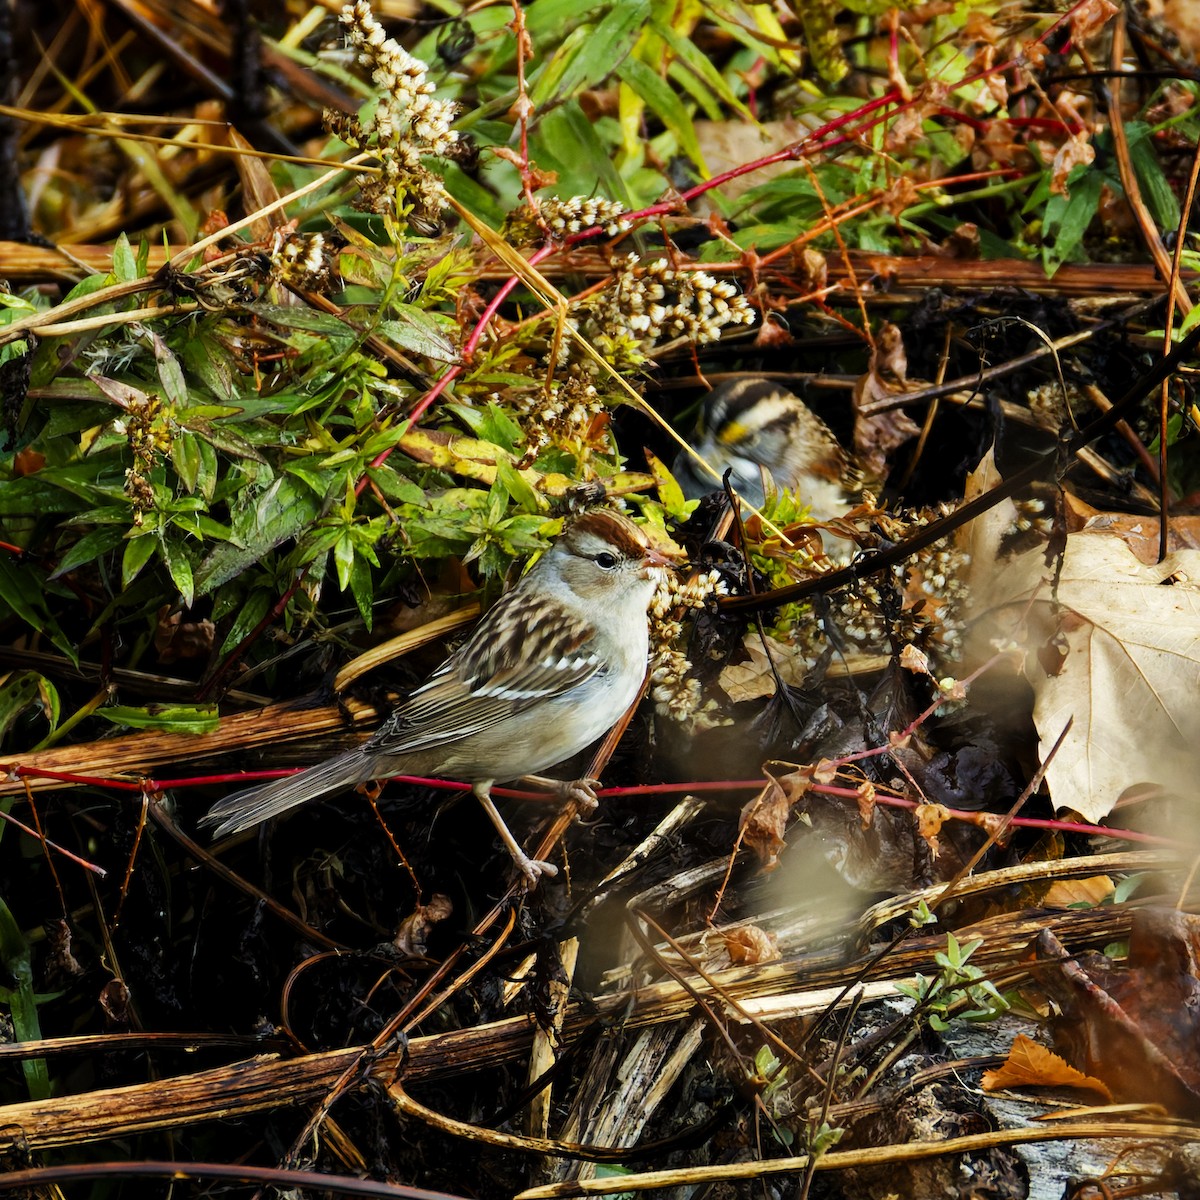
x=914 y=660
x=28 y=462
x=1031 y=1065
x=930 y=819
x=1090 y=17
x=750 y=945
x=866 y=803
x=1066 y=892
x=825 y=771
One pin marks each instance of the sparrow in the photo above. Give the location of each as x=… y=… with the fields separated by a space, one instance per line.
x=551 y=668
x=750 y=424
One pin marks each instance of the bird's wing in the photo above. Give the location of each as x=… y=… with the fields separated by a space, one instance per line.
x=526 y=649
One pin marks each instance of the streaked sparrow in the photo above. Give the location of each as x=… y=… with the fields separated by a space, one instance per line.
x=551 y=668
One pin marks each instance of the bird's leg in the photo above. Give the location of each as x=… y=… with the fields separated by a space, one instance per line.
x=532 y=868
x=580 y=791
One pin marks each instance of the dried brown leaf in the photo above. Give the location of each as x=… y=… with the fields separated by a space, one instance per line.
x=750 y=945
x=1031 y=1065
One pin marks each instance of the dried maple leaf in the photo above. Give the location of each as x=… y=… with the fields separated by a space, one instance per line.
x=1126 y=639
x=1114 y=652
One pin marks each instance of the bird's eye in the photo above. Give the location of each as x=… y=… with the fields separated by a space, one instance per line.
x=606 y=561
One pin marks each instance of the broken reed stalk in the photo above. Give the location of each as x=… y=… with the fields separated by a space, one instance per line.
x=267 y=1082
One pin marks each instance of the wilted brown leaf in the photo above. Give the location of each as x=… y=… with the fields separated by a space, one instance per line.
x=413 y=934
x=877 y=435
x=930 y=819
x=175 y=638
x=750 y=945
x=1031 y=1065
x=765 y=818
x=1135 y=1026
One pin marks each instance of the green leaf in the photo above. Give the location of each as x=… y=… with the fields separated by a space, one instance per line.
x=89 y=548
x=1067 y=217
x=516 y=485
x=421 y=332
x=665 y=104
x=491 y=424
x=185 y=455
x=175 y=718
x=697 y=61
x=180 y=569
x=21 y=691
x=564 y=65
x=279 y=512
x=15 y=956
x=396 y=487
x=123 y=260
x=87 y=285
x=309 y=320
x=343 y=557
x=362 y=588
x=565 y=135
x=670 y=494
x=1155 y=187
x=206 y=476
x=138 y=552
x=170 y=374
x=248 y=616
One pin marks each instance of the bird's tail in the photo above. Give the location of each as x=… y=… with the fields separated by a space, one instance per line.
x=252 y=807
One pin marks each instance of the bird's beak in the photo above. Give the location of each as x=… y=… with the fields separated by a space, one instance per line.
x=656 y=557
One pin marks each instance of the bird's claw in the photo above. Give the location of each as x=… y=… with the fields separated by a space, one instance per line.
x=534 y=869
x=581 y=792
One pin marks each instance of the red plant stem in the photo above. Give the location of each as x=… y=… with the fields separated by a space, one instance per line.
x=45 y=841
x=649 y=789
x=819 y=139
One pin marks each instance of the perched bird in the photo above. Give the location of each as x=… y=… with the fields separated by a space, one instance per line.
x=750 y=424
x=551 y=667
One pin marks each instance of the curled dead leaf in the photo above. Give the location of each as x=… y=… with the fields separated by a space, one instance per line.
x=750 y=945
x=930 y=819
x=412 y=935
x=764 y=820
x=866 y=802
x=175 y=638
x=876 y=435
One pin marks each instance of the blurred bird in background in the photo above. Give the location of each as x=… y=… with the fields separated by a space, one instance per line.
x=752 y=426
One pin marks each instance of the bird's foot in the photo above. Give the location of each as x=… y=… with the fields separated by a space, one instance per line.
x=581 y=792
x=534 y=869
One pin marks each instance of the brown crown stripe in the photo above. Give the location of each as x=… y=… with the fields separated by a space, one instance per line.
x=624 y=535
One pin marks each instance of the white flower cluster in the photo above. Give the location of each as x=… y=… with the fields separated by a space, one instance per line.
x=675 y=690
x=563 y=217
x=409 y=123
x=561 y=415
x=655 y=302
